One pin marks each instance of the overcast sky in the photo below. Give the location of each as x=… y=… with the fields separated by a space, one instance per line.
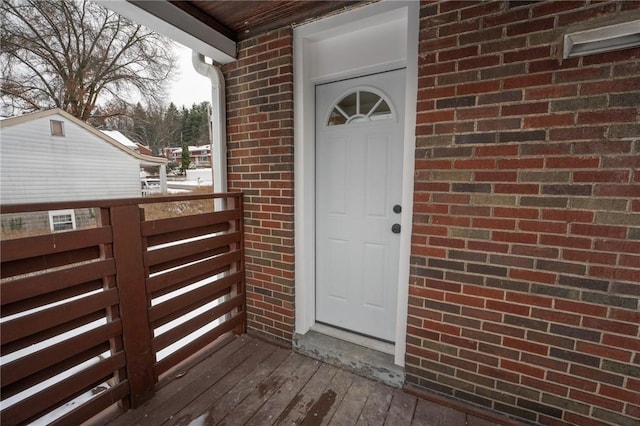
x=189 y=87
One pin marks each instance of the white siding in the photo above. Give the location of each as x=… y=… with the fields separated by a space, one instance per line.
x=37 y=167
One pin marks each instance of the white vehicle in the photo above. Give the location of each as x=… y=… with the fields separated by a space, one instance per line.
x=149 y=186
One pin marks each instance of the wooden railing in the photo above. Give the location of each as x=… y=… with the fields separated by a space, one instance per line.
x=93 y=317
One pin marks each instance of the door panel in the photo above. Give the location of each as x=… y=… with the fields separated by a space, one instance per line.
x=358 y=181
x=337 y=156
x=376 y=175
x=373 y=272
x=337 y=265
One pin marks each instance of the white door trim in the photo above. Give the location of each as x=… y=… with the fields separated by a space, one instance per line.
x=401 y=22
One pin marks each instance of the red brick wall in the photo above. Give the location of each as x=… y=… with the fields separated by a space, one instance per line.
x=525 y=279
x=525 y=268
x=260 y=160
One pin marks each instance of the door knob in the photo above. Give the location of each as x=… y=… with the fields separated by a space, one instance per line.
x=395 y=228
x=397 y=208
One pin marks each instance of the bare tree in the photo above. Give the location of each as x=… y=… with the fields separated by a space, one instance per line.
x=73 y=54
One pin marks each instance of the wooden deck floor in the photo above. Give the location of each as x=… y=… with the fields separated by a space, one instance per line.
x=252 y=382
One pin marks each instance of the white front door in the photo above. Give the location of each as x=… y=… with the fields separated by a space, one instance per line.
x=359 y=138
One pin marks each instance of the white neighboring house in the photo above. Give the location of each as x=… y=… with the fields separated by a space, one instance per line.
x=150 y=185
x=52 y=156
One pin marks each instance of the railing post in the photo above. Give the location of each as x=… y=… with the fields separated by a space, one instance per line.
x=134 y=305
x=103 y=218
x=240 y=288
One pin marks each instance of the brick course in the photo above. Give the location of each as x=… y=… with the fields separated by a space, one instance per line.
x=529 y=305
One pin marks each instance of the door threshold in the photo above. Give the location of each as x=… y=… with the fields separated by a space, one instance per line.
x=350 y=356
x=358 y=339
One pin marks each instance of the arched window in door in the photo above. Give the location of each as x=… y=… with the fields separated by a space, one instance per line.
x=359 y=106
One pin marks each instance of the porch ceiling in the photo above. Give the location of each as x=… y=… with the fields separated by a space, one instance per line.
x=213 y=28
x=238 y=20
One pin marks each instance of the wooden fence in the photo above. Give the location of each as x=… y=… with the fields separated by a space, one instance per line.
x=93 y=317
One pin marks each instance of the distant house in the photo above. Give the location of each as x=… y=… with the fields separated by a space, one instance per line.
x=200 y=156
x=53 y=156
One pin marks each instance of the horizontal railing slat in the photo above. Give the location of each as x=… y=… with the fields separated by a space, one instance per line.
x=188 y=249
x=169 y=237
x=184 y=329
x=35 y=285
x=164 y=226
x=95 y=405
x=191 y=300
x=40 y=403
x=50 y=261
x=61 y=367
x=190 y=273
x=18 y=328
x=159 y=268
x=24 y=248
x=50 y=298
x=54 y=354
x=197 y=344
x=50 y=332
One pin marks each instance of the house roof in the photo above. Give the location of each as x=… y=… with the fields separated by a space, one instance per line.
x=145 y=160
x=119 y=137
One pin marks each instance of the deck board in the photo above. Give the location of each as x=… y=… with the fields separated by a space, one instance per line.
x=298 y=408
x=280 y=399
x=252 y=382
x=375 y=409
x=179 y=391
x=401 y=409
x=429 y=413
x=331 y=398
x=353 y=402
x=241 y=391
x=199 y=407
x=261 y=393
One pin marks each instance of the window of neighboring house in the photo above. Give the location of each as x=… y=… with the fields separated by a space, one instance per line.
x=57 y=128
x=62 y=220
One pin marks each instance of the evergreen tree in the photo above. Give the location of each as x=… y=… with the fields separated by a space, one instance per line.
x=171 y=125
x=195 y=124
x=186 y=159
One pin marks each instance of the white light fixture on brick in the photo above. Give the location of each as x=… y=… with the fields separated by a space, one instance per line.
x=603 y=39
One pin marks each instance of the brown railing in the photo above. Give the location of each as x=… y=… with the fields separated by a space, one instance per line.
x=93 y=317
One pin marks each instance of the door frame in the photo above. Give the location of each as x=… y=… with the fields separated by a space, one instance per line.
x=394 y=28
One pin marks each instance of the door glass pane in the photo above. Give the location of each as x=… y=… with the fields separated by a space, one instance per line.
x=336 y=118
x=349 y=104
x=382 y=111
x=367 y=101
